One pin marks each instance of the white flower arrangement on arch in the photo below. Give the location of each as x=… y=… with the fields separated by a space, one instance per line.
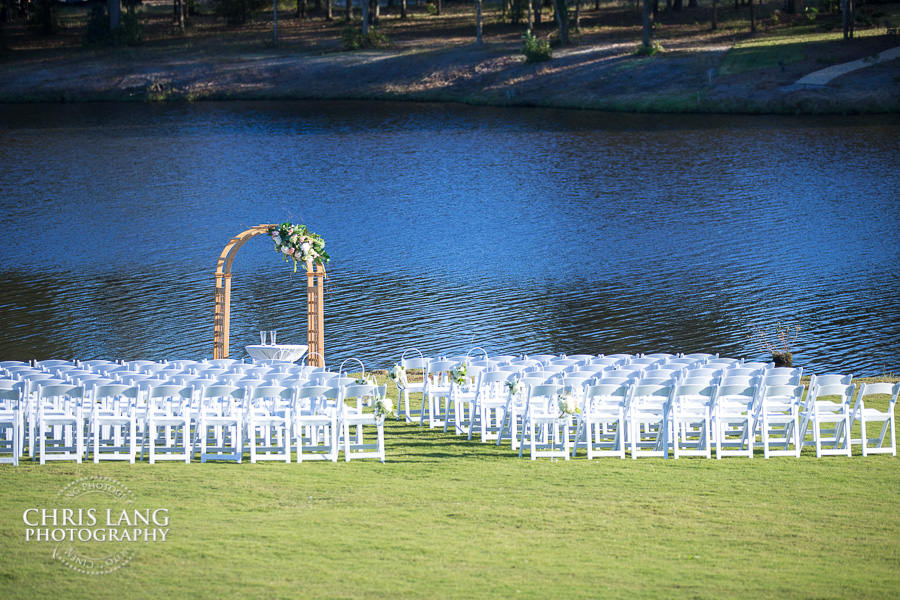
x=297 y=243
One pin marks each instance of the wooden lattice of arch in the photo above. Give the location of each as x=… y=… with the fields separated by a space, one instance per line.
x=315 y=300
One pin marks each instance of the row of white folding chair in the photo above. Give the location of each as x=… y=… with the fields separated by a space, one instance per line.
x=157 y=413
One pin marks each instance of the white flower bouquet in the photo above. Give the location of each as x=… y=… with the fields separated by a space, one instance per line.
x=297 y=243
x=458 y=374
x=383 y=407
x=515 y=386
x=567 y=403
x=398 y=376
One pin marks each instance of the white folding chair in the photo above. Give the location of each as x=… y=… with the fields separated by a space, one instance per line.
x=829 y=420
x=11 y=423
x=268 y=422
x=513 y=411
x=777 y=417
x=692 y=406
x=647 y=417
x=60 y=422
x=220 y=425
x=406 y=387
x=113 y=422
x=732 y=419
x=545 y=430
x=436 y=396
x=867 y=415
x=601 y=424
x=462 y=401
x=490 y=402
x=166 y=421
x=316 y=422
x=354 y=416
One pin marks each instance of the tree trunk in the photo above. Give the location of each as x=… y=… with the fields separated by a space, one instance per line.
x=596 y=4
x=365 y=17
x=180 y=15
x=438 y=6
x=115 y=13
x=692 y=3
x=562 y=20
x=328 y=15
x=677 y=5
x=578 y=15
x=752 y=18
x=647 y=17
x=301 y=9
x=715 y=15
x=478 y=22
x=403 y=9
x=348 y=10
x=655 y=9
x=536 y=6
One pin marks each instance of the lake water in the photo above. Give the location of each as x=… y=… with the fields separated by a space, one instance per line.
x=517 y=230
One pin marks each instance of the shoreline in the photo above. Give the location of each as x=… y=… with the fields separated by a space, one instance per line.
x=593 y=74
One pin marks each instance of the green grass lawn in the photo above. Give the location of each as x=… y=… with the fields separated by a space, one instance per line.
x=447 y=518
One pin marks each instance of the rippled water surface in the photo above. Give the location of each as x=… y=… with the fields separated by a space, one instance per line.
x=518 y=230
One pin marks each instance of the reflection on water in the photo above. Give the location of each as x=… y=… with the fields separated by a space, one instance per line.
x=516 y=230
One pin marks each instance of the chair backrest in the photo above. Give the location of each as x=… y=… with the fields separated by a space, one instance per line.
x=440 y=369
x=651 y=394
x=765 y=366
x=114 y=389
x=605 y=394
x=359 y=390
x=694 y=393
x=819 y=392
x=582 y=358
x=872 y=389
x=564 y=362
x=316 y=391
x=663 y=356
x=830 y=379
x=741 y=371
x=736 y=394
x=542 y=397
x=55 y=390
x=414 y=363
x=222 y=362
x=783 y=394
x=53 y=362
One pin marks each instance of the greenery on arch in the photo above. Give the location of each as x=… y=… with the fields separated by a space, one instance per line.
x=297 y=243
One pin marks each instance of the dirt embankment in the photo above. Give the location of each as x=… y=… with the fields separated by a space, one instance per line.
x=600 y=71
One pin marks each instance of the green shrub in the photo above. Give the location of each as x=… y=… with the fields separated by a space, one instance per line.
x=535 y=50
x=811 y=13
x=352 y=38
x=431 y=9
x=652 y=50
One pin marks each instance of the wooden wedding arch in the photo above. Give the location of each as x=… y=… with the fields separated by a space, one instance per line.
x=315 y=302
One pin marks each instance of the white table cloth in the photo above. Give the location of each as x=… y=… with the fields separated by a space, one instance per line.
x=285 y=352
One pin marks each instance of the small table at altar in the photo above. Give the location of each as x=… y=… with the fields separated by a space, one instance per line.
x=285 y=352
